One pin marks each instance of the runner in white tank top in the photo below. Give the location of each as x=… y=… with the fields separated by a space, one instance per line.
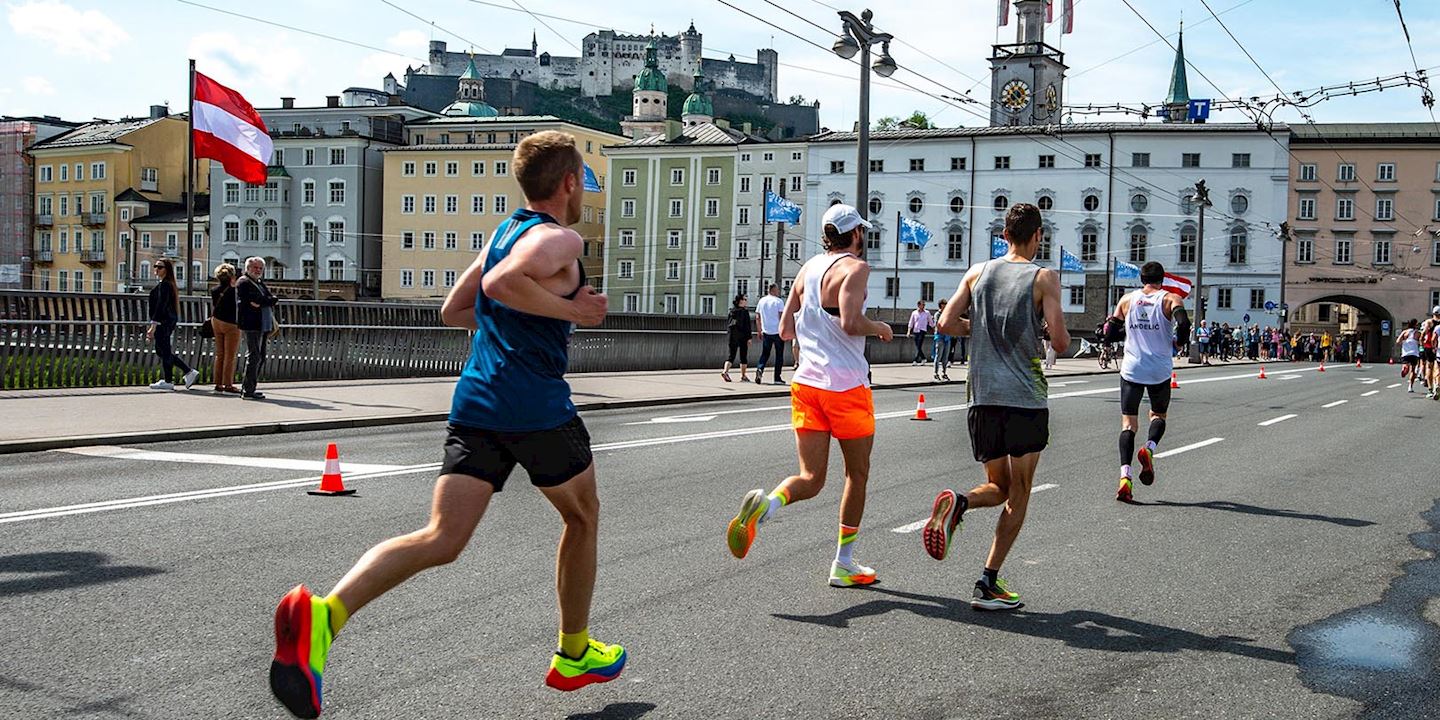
x=830 y=394
x=1146 y=316
x=1409 y=342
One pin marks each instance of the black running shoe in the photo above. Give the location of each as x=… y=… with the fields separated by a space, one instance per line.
x=994 y=596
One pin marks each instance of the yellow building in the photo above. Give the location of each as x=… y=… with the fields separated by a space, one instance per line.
x=448 y=190
x=89 y=185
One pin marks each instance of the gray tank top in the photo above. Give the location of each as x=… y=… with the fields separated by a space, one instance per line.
x=1005 y=352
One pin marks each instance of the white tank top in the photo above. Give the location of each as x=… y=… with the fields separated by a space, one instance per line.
x=830 y=359
x=1410 y=344
x=1149 y=341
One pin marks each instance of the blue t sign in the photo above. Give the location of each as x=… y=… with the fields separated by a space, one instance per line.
x=1198 y=110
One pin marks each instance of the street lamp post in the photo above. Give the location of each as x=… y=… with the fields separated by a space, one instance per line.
x=858 y=35
x=1202 y=201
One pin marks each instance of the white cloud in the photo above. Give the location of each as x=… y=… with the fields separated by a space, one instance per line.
x=408 y=46
x=261 y=67
x=36 y=85
x=71 y=32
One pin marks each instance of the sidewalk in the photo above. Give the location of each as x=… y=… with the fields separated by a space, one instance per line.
x=51 y=419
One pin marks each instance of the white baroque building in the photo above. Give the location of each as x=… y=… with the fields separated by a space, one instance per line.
x=1108 y=191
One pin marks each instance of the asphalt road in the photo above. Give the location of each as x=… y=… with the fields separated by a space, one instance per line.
x=1269 y=574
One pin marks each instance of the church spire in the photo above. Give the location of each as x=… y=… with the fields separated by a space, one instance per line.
x=1179 y=87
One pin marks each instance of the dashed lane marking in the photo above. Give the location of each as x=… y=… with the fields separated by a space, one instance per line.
x=1188 y=448
x=1337 y=403
x=1368 y=394
x=1280 y=419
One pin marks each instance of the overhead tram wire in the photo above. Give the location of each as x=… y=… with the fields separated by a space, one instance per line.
x=293 y=28
x=438 y=26
x=1429 y=98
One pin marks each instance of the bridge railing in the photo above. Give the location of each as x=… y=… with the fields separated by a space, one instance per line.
x=50 y=340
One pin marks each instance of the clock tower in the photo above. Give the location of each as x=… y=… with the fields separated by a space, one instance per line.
x=1027 y=78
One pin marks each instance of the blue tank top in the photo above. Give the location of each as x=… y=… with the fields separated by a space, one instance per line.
x=514 y=380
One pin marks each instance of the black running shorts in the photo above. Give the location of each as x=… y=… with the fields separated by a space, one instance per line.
x=1427 y=354
x=1410 y=359
x=1131 y=393
x=551 y=457
x=997 y=431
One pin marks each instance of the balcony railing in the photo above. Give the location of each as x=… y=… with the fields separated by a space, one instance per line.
x=93 y=218
x=43 y=256
x=46 y=220
x=149 y=186
x=92 y=257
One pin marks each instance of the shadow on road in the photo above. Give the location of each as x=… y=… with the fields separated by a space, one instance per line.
x=1085 y=629
x=50 y=571
x=1257 y=510
x=616 y=711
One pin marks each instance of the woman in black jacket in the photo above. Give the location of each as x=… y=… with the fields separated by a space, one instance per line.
x=227 y=332
x=164 y=316
x=739 y=331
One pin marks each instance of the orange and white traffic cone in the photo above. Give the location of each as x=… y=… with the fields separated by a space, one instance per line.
x=1322 y=366
x=1357 y=363
x=331 y=483
x=1262 y=373
x=1174 y=382
x=920 y=409
x=1392 y=361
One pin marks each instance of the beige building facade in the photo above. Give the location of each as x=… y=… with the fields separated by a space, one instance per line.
x=90 y=183
x=447 y=191
x=1365 y=219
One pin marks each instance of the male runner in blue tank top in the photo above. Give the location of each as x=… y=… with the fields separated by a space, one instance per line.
x=1144 y=317
x=1011 y=302
x=523 y=295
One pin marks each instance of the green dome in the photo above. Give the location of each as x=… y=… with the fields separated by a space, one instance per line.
x=465 y=108
x=698 y=104
x=651 y=79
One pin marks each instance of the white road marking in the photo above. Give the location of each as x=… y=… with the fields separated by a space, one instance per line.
x=1368 y=394
x=1280 y=419
x=675 y=419
x=123 y=453
x=1337 y=403
x=707 y=416
x=918 y=524
x=1188 y=448
x=1289 y=377
x=1392 y=387
x=1369 y=381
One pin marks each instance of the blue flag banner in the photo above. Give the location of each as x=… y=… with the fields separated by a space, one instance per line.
x=592 y=184
x=778 y=209
x=998 y=247
x=1126 y=271
x=914 y=233
x=1070 y=263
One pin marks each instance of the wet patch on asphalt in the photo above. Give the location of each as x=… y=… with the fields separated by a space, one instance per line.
x=1383 y=654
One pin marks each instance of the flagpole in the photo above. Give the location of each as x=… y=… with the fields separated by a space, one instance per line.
x=779 y=243
x=895 y=299
x=190 y=185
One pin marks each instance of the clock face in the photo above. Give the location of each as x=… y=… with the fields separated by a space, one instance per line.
x=1015 y=95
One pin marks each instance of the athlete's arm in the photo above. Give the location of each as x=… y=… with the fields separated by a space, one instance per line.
x=459 y=308
x=852 y=305
x=540 y=255
x=792 y=306
x=951 y=322
x=1048 y=283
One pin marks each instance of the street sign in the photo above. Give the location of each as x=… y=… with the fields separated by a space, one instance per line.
x=1198 y=110
x=1385 y=328
x=1247 y=318
x=1269 y=305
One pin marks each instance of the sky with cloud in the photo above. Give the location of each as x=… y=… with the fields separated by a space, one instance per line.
x=80 y=59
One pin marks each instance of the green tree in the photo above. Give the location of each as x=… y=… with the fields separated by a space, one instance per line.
x=798 y=100
x=917 y=119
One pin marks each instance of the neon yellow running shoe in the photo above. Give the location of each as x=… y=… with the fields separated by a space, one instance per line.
x=741 y=533
x=302 y=642
x=601 y=663
x=994 y=596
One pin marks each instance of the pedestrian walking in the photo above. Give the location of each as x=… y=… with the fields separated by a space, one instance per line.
x=1009 y=415
x=164 y=309
x=256 y=318
x=830 y=393
x=223 y=321
x=522 y=296
x=916 y=330
x=941 y=348
x=768 y=312
x=739 y=331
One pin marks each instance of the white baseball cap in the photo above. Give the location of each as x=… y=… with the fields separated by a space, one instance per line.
x=844 y=217
x=1435 y=310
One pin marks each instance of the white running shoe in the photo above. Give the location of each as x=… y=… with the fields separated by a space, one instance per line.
x=850 y=574
x=162 y=385
x=191 y=377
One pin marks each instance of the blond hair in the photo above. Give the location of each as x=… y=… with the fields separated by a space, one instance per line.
x=542 y=161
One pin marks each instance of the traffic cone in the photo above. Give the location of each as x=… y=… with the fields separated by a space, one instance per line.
x=1322 y=366
x=331 y=483
x=1357 y=363
x=920 y=409
x=1262 y=373
x=1392 y=361
x=1174 y=383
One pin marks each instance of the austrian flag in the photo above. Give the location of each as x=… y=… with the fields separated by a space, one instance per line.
x=228 y=129
x=1178 y=284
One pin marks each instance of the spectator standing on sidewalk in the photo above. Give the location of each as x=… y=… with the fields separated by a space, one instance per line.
x=941 y=347
x=739 y=332
x=918 y=327
x=227 y=332
x=256 y=318
x=164 y=308
x=768 y=310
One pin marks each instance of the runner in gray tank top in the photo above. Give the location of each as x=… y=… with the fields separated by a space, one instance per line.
x=1012 y=302
x=1143 y=318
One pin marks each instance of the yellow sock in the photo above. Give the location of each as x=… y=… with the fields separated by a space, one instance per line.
x=573 y=644
x=338 y=614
